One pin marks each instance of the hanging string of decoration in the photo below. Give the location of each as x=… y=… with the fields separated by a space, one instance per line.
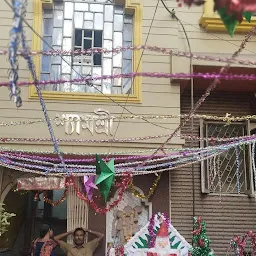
x=238 y=170
x=220 y=76
x=19 y=8
x=227 y=118
x=55 y=203
x=151 y=190
x=116 y=50
x=14 y=44
x=208 y=91
x=147 y=168
x=124 y=140
x=253 y=162
x=121 y=186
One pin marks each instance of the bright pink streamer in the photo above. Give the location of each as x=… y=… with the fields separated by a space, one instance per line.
x=162 y=50
x=250 y=77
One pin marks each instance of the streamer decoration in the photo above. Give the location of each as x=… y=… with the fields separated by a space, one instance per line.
x=227 y=118
x=166 y=51
x=30 y=63
x=238 y=170
x=121 y=186
x=55 y=203
x=220 y=76
x=152 y=234
x=14 y=44
x=151 y=190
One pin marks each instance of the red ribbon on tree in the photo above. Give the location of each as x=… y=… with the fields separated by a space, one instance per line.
x=241 y=242
x=199 y=230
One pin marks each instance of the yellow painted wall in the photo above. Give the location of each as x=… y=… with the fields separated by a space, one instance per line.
x=158 y=96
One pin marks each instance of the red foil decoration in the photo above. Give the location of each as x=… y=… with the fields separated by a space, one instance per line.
x=241 y=242
x=122 y=186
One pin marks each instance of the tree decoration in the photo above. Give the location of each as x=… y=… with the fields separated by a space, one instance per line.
x=4 y=217
x=106 y=176
x=239 y=243
x=200 y=240
x=89 y=186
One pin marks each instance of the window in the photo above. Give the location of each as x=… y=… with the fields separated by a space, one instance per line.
x=84 y=40
x=80 y=25
x=219 y=174
x=210 y=20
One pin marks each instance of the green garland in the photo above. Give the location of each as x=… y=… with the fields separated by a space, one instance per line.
x=4 y=217
x=200 y=240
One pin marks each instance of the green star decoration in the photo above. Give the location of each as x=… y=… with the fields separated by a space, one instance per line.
x=230 y=20
x=106 y=175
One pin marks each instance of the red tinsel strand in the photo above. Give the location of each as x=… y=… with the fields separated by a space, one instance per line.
x=119 y=251
x=241 y=242
x=199 y=230
x=122 y=186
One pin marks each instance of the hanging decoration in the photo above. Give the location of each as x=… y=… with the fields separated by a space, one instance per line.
x=40 y=183
x=106 y=174
x=89 y=186
x=151 y=190
x=123 y=140
x=231 y=20
x=238 y=170
x=18 y=34
x=238 y=244
x=232 y=12
x=166 y=51
x=227 y=118
x=36 y=197
x=14 y=44
x=253 y=162
x=55 y=203
x=208 y=76
x=121 y=186
x=200 y=240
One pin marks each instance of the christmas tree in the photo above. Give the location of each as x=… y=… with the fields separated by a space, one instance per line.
x=4 y=217
x=200 y=240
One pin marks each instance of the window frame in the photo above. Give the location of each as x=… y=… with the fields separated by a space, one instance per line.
x=131 y=7
x=205 y=176
x=211 y=21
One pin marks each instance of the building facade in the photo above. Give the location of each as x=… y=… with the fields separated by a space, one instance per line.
x=77 y=25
